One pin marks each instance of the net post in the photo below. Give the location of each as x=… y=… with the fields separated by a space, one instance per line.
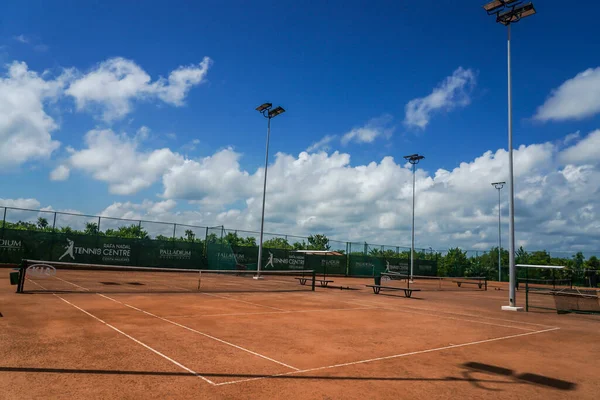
x=485 y=280
x=22 y=270
x=527 y=295
x=314 y=279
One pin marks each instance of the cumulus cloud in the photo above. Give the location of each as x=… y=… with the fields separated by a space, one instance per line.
x=321 y=145
x=212 y=180
x=25 y=127
x=60 y=173
x=586 y=150
x=22 y=39
x=114 y=84
x=576 y=99
x=119 y=160
x=452 y=93
x=370 y=131
x=20 y=203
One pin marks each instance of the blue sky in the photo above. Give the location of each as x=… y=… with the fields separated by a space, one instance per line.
x=335 y=66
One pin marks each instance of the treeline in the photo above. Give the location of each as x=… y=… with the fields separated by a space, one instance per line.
x=455 y=261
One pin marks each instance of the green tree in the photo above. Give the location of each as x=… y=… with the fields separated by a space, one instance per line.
x=318 y=242
x=42 y=223
x=132 y=231
x=162 y=238
x=190 y=235
x=593 y=263
x=455 y=262
x=91 y=228
x=277 y=243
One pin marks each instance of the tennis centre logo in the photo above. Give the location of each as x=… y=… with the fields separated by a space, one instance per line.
x=10 y=245
x=109 y=252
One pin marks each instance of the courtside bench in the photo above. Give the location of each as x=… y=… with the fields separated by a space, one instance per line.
x=478 y=283
x=322 y=282
x=407 y=291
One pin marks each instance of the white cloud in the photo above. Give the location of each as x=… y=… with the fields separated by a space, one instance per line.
x=452 y=93
x=571 y=137
x=115 y=83
x=32 y=204
x=577 y=98
x=25 y=127
x=22 y=39
x=586 y=150
x=212 y=180
x=118 y=160
x=60 y=173
x=367 y=134
x=321 y=145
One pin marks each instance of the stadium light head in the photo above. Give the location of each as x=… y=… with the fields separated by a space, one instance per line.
x=496 y=184
x=515 y=14
x=414 y=158
x=276 y=111
x=264 y=107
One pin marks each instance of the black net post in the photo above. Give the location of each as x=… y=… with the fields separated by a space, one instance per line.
x=526 y=291
x=22 y=270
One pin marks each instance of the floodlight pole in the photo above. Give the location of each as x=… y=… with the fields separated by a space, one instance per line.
x=508 y=12
x=414 y=160
x=268 y=113
x=499 y=186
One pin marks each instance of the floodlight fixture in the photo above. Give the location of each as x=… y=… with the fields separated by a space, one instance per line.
x=263 y=107
x=515 y=14
x=507 y=12
x=414 y=158
x=276 y=111
x=496 y=184
x=268 y=112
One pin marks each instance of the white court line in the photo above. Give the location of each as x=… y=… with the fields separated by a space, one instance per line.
x=271 y=312
x=134 y=339
x=242 y=301
x=455 y=319
x=454 y=346
x=462 y=314
x=201 y=333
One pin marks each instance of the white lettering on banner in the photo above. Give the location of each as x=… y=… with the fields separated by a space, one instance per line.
x=364 y=264
x=109 y=251
x=40 y=271
x=10 y=244
x=175 y=254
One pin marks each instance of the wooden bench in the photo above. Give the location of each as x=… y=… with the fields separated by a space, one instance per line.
x=478 y=283
x=407 y=291
x=322 y=282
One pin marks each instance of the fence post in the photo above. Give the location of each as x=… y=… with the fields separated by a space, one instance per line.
x=52 y=236
x=174 y=228
x=3 y=222
x=98 y=230
x=348 y=249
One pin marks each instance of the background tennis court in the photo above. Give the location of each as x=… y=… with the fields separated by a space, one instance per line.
x=329 y=343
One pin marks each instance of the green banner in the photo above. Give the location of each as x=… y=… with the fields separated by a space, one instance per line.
x=87 y=249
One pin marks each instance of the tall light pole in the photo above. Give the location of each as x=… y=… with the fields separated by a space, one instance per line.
x=498 y=186
x=269 y=112
x=414 y=160
x=508 y=12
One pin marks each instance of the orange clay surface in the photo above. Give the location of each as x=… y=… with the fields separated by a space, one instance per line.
x=327 y=344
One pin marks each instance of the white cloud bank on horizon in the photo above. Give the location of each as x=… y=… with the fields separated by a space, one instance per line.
x=557 y=206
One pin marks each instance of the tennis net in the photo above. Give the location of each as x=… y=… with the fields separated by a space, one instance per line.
x=566 y=300
x=544 y=283
x=59 y=277
x=436 y=282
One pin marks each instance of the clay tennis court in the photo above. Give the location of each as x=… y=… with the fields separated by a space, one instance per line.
x=322 y=344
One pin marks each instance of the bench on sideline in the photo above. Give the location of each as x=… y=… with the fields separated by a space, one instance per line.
x=407 y=291
x=322 y=282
